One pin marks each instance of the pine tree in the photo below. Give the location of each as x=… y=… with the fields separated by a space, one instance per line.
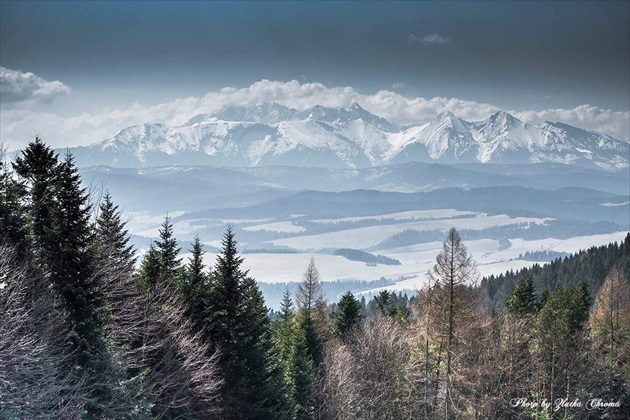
x=168 y=251
x=194 y=285
x=523 y=299
x=150 y=269
x=13 y=215
x=349 y=315
x=284 y=338
x=303 y=376
x=38 y=167
x=284 y=327
x=70 y=262
x=314 y=346
x=112 y=239
x=559 y=330
x=240 y=328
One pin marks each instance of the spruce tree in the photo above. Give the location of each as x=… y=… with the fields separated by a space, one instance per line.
x=13 y=215
x=348 y=316
x=284 y=327
x=150 y=269
x=239 y=326
x=38 y=167
x=523 y=299
x=168 y=251
x=314 y=347
x=70 y=263
x=112 y=239
x=303 y=376
x=194 y=286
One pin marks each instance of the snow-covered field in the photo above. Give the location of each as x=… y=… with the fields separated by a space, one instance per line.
x=415 y=261
x=491 y=256
x=369 y=236
x=285 y=226
x=414 y=214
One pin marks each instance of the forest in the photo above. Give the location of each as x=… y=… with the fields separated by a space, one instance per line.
x=89 y=332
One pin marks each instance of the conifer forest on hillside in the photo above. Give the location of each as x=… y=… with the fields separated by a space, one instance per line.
x=90 y=330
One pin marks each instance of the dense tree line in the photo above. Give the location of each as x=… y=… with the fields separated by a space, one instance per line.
x=88 y=332
x=591 y=265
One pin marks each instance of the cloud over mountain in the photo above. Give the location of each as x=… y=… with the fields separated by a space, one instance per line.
x=20 y=125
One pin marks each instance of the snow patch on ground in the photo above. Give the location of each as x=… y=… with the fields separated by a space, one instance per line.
x=283 y=227
x=367 y=237
x=414 y=214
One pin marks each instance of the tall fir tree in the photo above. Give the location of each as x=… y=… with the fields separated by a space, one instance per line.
x=38 y=167
x=195 y=286
x=150 y=269
x=13 y=214
x=348 y=316
x=111 y=236
x=284 y=327
x=303 y=376
x=240 y=327
x=523 y=299
x=168 y=252
x=70 y=262
x=314 y=346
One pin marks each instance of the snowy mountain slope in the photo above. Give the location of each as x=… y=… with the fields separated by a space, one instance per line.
x=272 y=134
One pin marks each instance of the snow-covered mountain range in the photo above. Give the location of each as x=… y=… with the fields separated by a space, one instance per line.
x=272 y=134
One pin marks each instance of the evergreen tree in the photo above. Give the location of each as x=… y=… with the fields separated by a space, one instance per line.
x=544 y=298
x=303 y=376
x=523 y=299
x=112 y=239
x=240 y=328
x=194 y=286
x=13 y=215
x=168 y=251
x=560 y=338
x=70 y=263
x=284 y=327
x=38 y=167
x=284 y=338
x=150 y=269
x=348 y=316
x=308 y=327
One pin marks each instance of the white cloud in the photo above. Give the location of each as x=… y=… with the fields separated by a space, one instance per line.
x=614 y=123
x=18 y=86
x=398 y=85
x=19 y=126
x=433 y=39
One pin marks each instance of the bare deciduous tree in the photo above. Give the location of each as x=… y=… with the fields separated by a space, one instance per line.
x=452 y=305
x=35 y=358
x=310 y=290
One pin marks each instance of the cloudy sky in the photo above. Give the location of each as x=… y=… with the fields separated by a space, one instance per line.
x=75 y=72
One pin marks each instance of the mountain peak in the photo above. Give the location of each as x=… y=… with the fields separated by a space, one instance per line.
x=271 y=133
x=355 y=107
